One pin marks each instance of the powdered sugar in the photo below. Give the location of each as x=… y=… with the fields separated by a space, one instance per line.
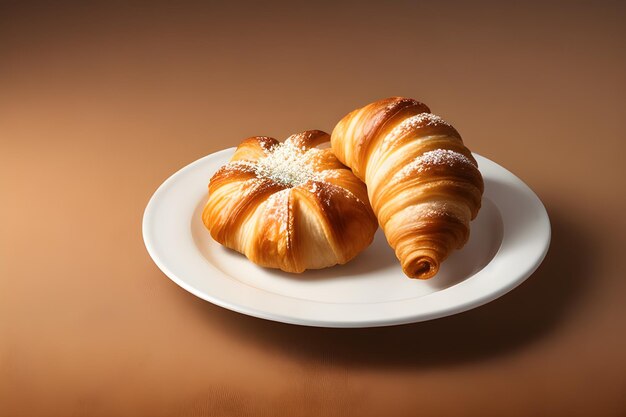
x=277 y=208
x=411 y=123
x=241 y=165
x=266 y=143
x=326 y=192
x=329 y=173
x=434 y=210
x=432 y=158
x=422 y=119
x=288 y=165
x=394 y=104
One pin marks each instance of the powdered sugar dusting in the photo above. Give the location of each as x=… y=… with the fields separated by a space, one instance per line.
x=277 y=210
x=422 y=119
x=436 y=212
x=433 y=210
x=410 y=123
x=442 y=156
x=288 y=164
x=329 y=173
x=326 y=191
x=253 y=186
x=395 y=103
x=432 y=158
x=266 y=143
x=242 y=165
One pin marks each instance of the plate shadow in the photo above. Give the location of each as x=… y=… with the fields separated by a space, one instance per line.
x=502 y=326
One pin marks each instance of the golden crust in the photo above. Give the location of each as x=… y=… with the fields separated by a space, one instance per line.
x=304 y=220
x=423 y=183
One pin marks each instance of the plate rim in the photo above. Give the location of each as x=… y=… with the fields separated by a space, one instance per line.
x=459 y=307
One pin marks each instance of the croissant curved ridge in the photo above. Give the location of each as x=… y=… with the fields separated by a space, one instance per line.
x=423 y=183
x=289 y=205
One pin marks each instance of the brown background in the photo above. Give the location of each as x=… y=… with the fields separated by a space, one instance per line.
x=99 y=103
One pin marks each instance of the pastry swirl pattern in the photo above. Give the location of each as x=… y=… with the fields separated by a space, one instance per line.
x=289 y=205
x=423 y=183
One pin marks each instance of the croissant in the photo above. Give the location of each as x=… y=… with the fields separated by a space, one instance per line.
x=290 y=205
x=423 y=183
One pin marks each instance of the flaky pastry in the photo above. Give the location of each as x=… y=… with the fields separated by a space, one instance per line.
x=423 y=183
x=289 y=205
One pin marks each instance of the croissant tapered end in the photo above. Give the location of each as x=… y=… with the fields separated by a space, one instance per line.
x=423 y=183
x=420 y=267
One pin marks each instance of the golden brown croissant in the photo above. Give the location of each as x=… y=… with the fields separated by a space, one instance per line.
x=423 y=183
x=289 y=205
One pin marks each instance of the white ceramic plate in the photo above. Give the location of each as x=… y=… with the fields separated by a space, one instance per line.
x=508 y=241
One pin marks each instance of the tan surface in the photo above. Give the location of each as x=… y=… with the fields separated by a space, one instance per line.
x=99 y=104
